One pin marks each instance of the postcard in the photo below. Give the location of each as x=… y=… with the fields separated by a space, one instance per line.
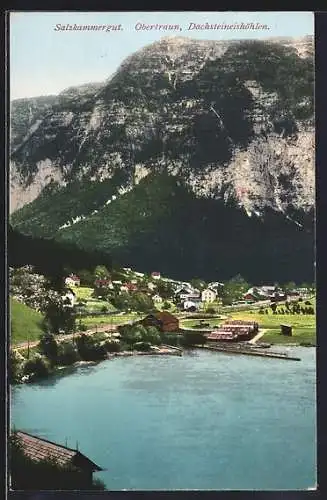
x=161 y=251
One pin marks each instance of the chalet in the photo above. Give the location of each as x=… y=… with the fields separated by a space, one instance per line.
x=187 y=293
x=78 y=466
x=267 y=291
x=254 y=294
x=208 y=295
x=72 y=280
x=164 y=321
x=155 y=275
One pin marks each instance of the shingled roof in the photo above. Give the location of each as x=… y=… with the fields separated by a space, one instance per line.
x=40 y=449
x=165 y=316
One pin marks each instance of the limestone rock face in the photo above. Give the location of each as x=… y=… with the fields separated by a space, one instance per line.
x=231 y=121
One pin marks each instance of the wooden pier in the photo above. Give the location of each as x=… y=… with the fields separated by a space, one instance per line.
x=250 y=352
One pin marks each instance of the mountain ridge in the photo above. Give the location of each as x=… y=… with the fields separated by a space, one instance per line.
x=231 y=121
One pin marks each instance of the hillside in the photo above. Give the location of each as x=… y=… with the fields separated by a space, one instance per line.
x=25 y=322
x=229 y=124
x=51 y=257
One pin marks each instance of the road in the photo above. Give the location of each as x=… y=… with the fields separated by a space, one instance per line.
x=102 y=328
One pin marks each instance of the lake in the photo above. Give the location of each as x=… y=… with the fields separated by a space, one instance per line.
x=202 y=421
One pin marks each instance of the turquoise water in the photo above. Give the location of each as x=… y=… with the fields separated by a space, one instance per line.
x=202 y=421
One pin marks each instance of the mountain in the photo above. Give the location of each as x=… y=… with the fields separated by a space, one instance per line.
x=196 y=157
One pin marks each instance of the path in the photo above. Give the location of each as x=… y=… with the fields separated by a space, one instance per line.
x=258 y=336
x=103 y=328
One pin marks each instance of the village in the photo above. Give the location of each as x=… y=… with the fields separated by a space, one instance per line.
x=199 y=308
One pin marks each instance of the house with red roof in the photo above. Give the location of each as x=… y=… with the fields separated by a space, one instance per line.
x=155 y=275
x=132 y=287
x=164 y=321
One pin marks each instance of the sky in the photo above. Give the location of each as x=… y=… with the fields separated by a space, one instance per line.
x=45 y=60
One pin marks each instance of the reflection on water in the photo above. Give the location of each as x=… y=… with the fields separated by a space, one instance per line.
x=201 y=421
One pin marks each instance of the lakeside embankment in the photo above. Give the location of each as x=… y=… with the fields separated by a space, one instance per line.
x=160 y=351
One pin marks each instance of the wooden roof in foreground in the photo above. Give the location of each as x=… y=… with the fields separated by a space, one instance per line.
x=40 y=449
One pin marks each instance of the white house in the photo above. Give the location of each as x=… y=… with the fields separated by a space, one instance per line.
x=72 y=280
x=190 y=305
x=151 y=286
x=157 y=299
x=208 y=295
x=155 y=275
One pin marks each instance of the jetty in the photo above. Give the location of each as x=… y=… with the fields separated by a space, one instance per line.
x=249 y=352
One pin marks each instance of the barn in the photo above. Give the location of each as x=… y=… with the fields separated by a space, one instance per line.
x=76 y=467
x=164 y=321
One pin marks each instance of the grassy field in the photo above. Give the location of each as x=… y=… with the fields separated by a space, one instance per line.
x=92 y=321
x=83 y=292
x=92 y=304
x=275 y=320
x=25 y=322
x=300 y=335
x=190 y=323
x=304 y=326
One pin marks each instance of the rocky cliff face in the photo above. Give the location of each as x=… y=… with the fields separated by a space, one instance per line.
x=231 y=121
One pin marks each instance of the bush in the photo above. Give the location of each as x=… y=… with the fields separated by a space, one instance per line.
x=67 y=353
x=37 y=367
x=142 y=346
x=89 y=349
x=210 y=310
x=169 y=339
x=15 y=367
x=104 y=309
x=49 y=347
x=190 y=339
x=112 y=346
x=152 y=335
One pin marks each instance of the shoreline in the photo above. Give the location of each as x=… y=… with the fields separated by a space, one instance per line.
x=123 y=354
